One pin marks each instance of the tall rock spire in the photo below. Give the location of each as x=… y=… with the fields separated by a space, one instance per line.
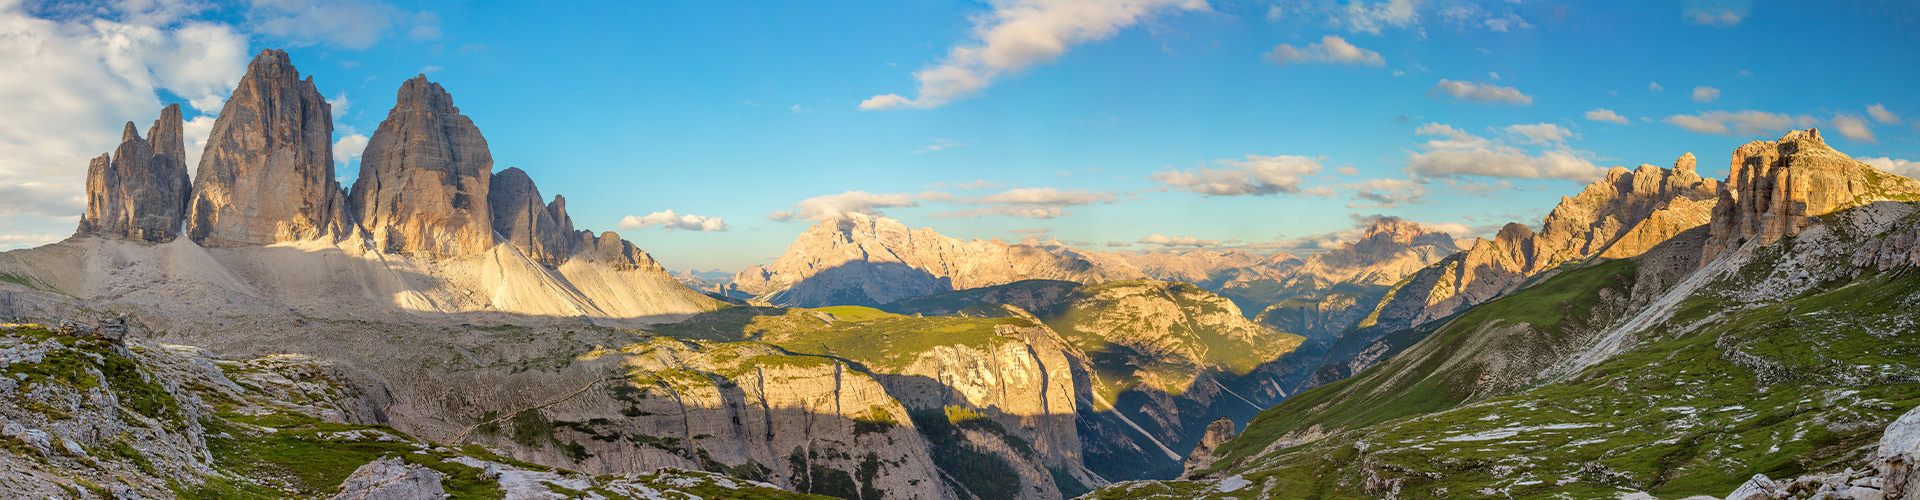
x=139 y=191
x=424 y=178
x=267 y=174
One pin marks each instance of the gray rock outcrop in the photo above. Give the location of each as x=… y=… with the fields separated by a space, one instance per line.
x=543 y=231
x=1218 y=433
x=140 y=191
x=424 y=178
x=392 y=479
x=267 y=174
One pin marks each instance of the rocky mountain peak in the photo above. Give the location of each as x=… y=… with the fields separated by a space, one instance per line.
x=543 y=232
x=424 y=178
x=1776 y=186
x=267 y=173
x=140 y=190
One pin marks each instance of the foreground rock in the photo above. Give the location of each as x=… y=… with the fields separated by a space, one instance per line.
x=392 y=479
x=267 y=174
x=140 y=192
x=424 y=178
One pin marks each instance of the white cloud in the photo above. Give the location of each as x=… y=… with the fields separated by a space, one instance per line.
x=1898 y=166
x=1460 y=153
x=1740 y=122
x=1254 y=175
x=1880 y=114
x=1032 y=203
x=1177 y=241
x=351 y=24
x=1715 y=17
x=1705 y=94
x=1853 y=128
x=71 y=83
x=347 y=150
x=1474 y=16
x=1331 y=49
x=939 y=144
x=1654 y=87
x=1364 y=17
x=1383 y=193
x=669 y=221
x=1539 y=133
x=1019 y=34
x=832 y=206
x=1482 y=92
x=1607 y=116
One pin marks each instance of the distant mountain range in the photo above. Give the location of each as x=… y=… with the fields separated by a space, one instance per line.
x=438 y=328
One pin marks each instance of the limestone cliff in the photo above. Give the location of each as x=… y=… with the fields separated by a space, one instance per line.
x=267 y=174
x=1776 y=186
x=1622 y=215
x=140 y=192
x=424 y=178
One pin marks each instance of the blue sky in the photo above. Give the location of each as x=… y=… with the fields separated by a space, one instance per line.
x=1272 y=125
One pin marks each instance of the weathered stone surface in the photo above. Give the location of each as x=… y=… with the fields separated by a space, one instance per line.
x=424 y=178
x=609 y=249
x=267 y=174
x=392 y=479
x=542 y=231
x=1899 y=457
x=140 y=191
x=1777 y=185
x=1218 y=432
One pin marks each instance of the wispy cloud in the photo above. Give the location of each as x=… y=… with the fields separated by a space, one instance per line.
x=939 y=144
x=1715 y=17
x=1252 y=175
x=1605 y=115
x=1880 y=114
x=1032 y=203
x=1481 y=92
x=832 y=206
x=1455 y=152
x=1331 y=49
x=1747 y=122
x=1908 y=168
x=1853 y=127
x=1705 y=94
x=1018 y=34
x=1177 y=241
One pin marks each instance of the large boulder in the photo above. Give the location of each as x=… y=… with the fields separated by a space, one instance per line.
x=140 y=191
x=392 y=479
x=267 y=174
x=424 y=178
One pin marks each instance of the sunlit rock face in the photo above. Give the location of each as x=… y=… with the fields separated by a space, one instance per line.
x=267 y=174
x=424 y=178
x=1776 y=186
